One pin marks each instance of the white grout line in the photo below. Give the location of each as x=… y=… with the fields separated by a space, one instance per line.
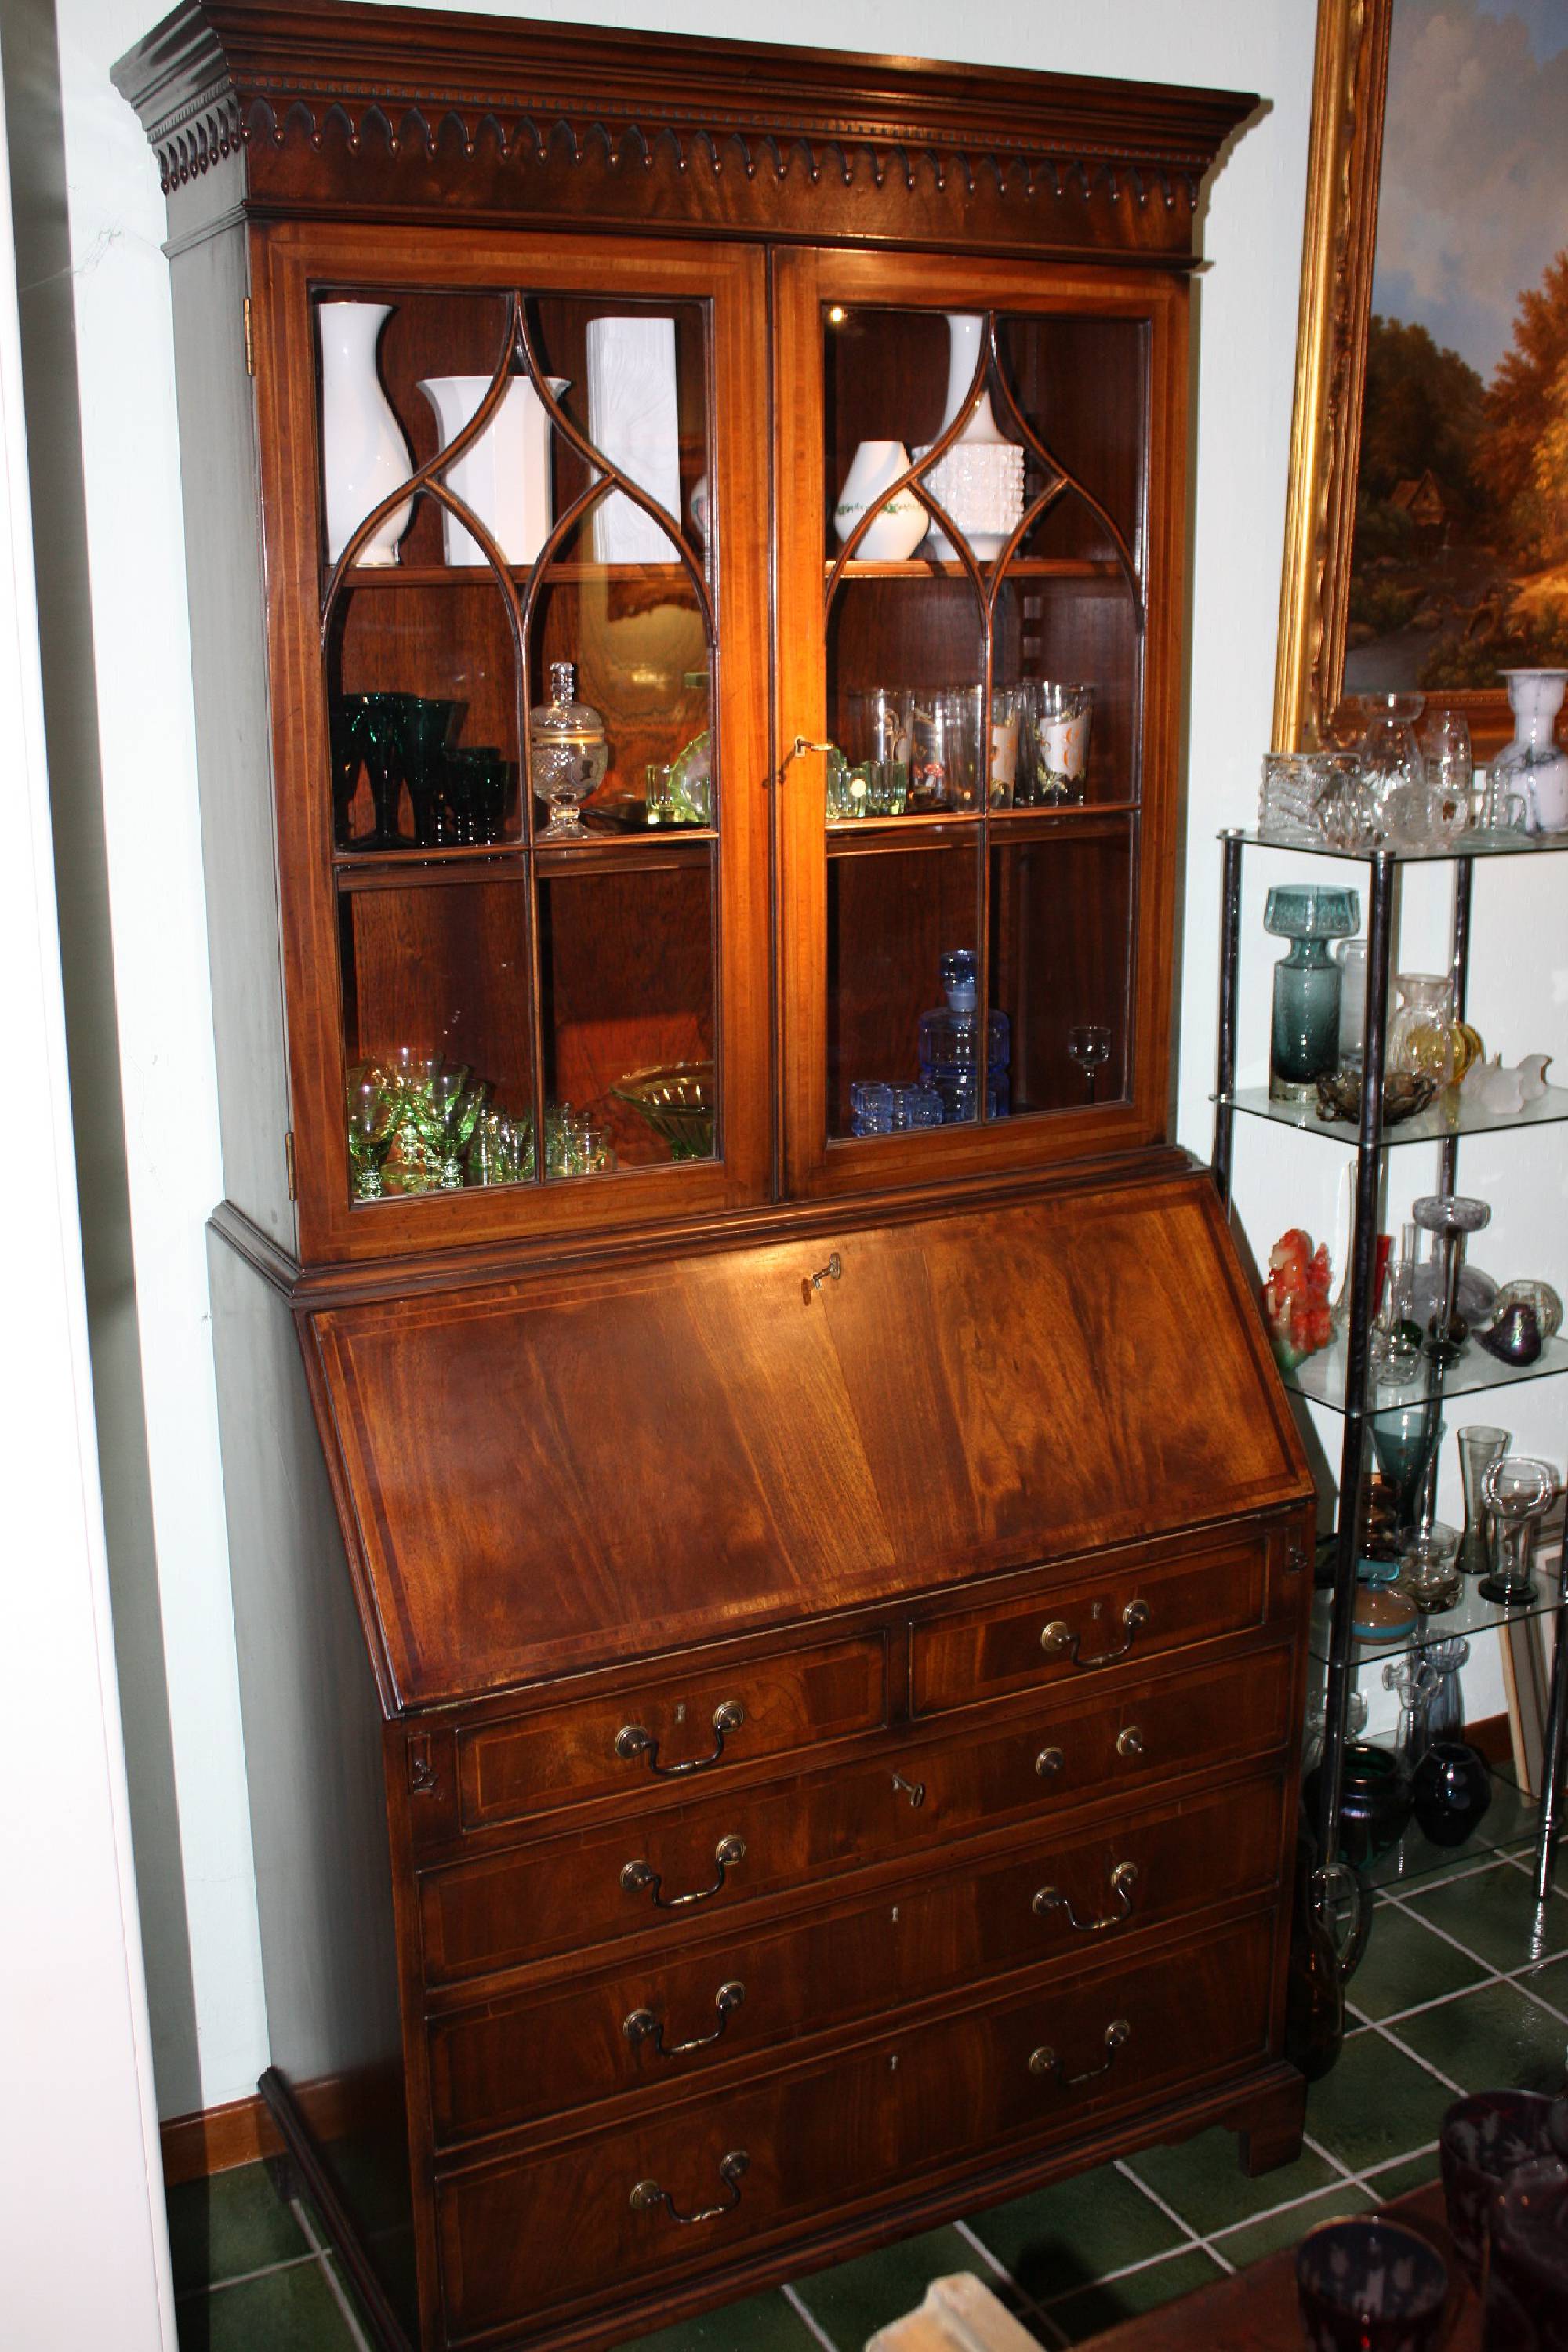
x=993 y=2261
x=1328 y=2157
x=1155 y=2199
x=1425 y=2065
x=801 y=2311
x=242 y=2278
x=334 y=2289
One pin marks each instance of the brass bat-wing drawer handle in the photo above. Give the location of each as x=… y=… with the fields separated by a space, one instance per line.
x=641 y=1878
x=642 y=2025
x=647 y=2196
x=635 y=1740
x=1044 y=2061
x=1123 y=1879
x=1059 y=1640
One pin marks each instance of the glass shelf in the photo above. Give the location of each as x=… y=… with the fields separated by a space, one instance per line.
x=1509 y=1823
x=1022 y=567
x=1527 y=846
x=1323 y=1377
x=1434 y=1125
x=1470 y=1616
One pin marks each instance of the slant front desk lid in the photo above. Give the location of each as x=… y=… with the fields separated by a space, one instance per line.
x=574 y=1469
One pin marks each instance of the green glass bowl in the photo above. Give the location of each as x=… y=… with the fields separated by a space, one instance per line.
x=1311 y=910
x=677 y=1101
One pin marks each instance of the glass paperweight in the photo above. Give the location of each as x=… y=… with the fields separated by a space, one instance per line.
x=1517 y=1491
x=951 y=1047
x=1306 y=1024
x=568 y=754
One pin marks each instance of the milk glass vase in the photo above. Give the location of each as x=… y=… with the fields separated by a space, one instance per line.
x=1306 y=1023
x=364 y=455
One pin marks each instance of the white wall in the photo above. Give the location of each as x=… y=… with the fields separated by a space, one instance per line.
x=1247 y=317
x=75 y=2053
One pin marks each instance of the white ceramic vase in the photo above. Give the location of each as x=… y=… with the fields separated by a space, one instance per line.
x=979 y=482
x=900 y=525
x=633 y=420
x=1532 y=764
x=504 y=476
x=364 y=455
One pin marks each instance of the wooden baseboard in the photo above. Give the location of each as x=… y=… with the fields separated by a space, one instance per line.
x=1491 y=1737
x=217 y=2140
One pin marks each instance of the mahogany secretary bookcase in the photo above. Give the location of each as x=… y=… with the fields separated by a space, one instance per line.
x=769 y=1553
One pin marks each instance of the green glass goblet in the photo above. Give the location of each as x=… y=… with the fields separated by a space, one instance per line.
x=424 y=729
x=382 y=730
x=457 y=1108
x=347 y=759
x=373 y=1106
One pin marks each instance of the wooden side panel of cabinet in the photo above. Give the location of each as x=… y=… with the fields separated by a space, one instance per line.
x=590 y=1466
x=223 y=563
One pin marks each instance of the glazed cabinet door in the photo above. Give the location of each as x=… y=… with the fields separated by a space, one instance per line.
x=980 y=506
x=515 y=513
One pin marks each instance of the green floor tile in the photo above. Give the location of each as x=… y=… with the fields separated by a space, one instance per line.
x=1255 y=2239
x=1203 y=2181
x=1399 y=2179
x=1066 y=2236
x=1548 y=1979
x=1493 y=2039
x=223 y=2227
x=292 y=2310
x=764 y=2322
x=1377 y=2105
x=1404 y=1965
x=1095 y=2307
x=854 y=2299
x=1496 y=1917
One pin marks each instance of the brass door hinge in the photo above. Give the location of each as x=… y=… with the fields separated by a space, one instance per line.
x=250 y=370
x=289 y=1160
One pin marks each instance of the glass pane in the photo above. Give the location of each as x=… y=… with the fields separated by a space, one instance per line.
x=636 y=638
x=904 y=661
x=625 y=959
x=1061 y=904
x=436 y=1037
x=1082 y=384
x=1070 y=653
x=894 y=917
x=421 y=690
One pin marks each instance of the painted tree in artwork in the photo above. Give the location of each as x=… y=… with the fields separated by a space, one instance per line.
x=1522 y=454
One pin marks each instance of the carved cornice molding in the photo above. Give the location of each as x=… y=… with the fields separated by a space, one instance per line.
x=286 y=83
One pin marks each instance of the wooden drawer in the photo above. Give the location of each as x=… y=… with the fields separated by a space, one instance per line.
x=1061 y=1632
x=685 y=1726
x=521 y=2238
x=672 y=1869
x=524 y=2057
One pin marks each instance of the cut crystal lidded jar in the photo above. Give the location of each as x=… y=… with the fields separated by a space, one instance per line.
x=568 y=754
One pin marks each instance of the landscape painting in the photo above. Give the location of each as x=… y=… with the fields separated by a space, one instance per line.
x=1460 y=552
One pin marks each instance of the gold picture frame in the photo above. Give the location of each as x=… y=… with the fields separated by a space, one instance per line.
x=1350 y=93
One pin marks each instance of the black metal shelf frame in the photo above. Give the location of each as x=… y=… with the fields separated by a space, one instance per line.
x=1369 y=1148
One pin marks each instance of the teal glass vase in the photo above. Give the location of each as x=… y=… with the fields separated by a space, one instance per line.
x=1305 y=1033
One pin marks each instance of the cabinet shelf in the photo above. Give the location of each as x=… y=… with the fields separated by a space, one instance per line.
x=464 y=575
x=1101 y=571
x=1526 y=845
x=866 y=835
x=413 y=869
x=1321 y=1378
x=1511 y=1819
x=1433 y=1126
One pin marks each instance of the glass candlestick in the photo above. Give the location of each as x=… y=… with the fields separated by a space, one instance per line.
x=1479 y=1446
x=1305 y=1034
x=1517 y=1491
x=568 y=754
x=1449 y=1215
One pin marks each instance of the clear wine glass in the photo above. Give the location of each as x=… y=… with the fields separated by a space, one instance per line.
x=1517 y=1491
x=1089 y=1047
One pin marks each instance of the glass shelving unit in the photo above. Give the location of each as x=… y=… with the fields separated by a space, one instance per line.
x=1343 y=1377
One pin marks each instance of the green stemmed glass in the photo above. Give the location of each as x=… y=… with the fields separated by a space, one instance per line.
x=373 y=1108
x=382 y=732
x=456 y=1108
x=424 y=729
